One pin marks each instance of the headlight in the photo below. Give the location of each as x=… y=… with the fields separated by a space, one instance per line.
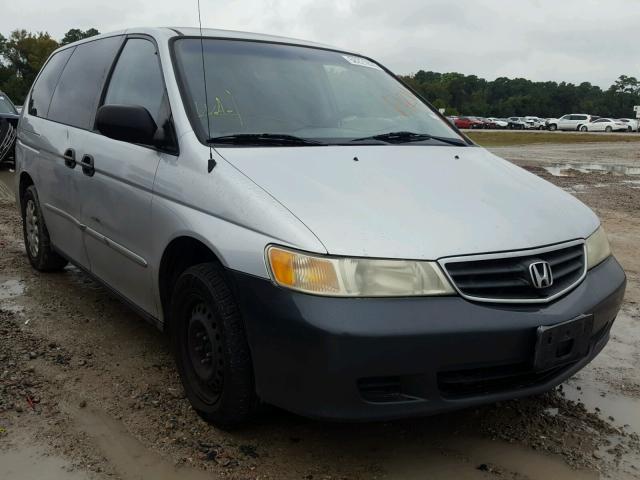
x=355 y=277
x=598 y=248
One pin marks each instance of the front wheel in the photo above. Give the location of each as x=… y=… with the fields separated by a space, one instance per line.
x=584 y=128
x=608 y=129
x=553 y=127
x=210 y=347
x=36 y=236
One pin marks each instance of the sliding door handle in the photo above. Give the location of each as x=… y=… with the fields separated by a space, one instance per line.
x=87 y=164
x=70 y=158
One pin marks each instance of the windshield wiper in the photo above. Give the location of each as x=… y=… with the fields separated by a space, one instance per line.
x=407 y=137
x=274 y=139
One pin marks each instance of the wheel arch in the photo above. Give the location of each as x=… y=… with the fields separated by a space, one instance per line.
x=181 y=253
x=25 y=182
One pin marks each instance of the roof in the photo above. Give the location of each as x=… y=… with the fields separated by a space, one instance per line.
x=236 y=34
x=168 y=32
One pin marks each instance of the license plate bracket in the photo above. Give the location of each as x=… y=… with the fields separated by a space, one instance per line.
x=563 y=343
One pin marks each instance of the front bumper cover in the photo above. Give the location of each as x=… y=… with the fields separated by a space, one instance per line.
x=323 y=357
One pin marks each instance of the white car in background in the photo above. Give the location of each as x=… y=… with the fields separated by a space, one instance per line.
x=632 y=124
x=605 y=125
x=499 y=123
x=574 y=121
x=536 y=122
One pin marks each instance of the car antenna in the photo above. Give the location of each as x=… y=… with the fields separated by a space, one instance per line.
x=211 y=163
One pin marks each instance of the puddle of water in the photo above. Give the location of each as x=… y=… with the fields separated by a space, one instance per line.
x=29 y=463
x=127 y=455
x=510 y=460
x=560 y=169
x=624 y=410
x=11 y=288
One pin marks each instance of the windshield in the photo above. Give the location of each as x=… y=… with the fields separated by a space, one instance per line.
x=326 y=96
x=6 y=106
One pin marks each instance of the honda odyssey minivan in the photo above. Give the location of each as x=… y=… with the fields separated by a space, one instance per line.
x=309 y=231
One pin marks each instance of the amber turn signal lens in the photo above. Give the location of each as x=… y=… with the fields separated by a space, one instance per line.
x=282 y=266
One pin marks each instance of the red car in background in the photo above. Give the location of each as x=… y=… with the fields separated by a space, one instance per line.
x=466 y=122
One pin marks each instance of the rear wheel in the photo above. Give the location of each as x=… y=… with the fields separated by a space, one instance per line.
x=210 y=347
x=608 y=129
x=36 y=236
x=584 y=128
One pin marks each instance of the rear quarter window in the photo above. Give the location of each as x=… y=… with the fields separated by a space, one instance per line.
x=46 y=83
x=78 y=92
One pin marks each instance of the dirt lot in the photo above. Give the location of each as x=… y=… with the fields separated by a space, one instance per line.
x=88 y=389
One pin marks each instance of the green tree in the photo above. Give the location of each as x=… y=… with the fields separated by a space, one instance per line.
x=76 y=34
x=505 y=97
x=23 y=54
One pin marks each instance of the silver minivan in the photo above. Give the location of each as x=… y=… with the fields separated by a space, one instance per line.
x=309 y=231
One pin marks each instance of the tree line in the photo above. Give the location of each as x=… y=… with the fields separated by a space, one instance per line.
x=22 y=55
x=462 y=94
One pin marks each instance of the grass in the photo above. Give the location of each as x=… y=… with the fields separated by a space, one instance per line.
x=488 y=138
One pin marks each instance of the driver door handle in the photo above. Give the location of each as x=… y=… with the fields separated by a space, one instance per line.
x=87 y=164
x=70 y=158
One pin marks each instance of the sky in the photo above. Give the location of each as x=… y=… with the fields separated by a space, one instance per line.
x=563 y=40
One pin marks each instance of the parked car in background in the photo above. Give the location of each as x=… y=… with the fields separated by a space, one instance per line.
x=468 y=122
x=517 y=123
x=486 y=123
x=570 y=122
x=9 y=117
x=605 y=125
x=535 y=122
x=498 y=122
x=632 y=124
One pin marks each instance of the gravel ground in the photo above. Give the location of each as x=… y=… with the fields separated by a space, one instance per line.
x=88 y=390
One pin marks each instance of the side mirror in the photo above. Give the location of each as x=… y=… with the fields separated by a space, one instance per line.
x=128 y=123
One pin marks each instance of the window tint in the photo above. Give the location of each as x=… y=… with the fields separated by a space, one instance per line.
x=578 y=117
x=137 y=79
x=77 y=94
x=566 y=117
x=46 y=83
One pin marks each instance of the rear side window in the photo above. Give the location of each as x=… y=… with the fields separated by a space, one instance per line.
x=78 y=92
x=137 y=79
x=46 y=83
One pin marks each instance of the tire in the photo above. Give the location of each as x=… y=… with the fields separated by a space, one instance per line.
x=584 y=128
x=553 y=127
x=608 y=129
x=210 y=347
x=36 y=236
x=629 y=129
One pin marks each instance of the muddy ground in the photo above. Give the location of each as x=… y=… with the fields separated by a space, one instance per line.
x=88 y=390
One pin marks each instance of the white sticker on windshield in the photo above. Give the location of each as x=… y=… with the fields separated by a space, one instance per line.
x=361 y=62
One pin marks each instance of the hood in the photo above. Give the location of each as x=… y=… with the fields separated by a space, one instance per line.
x=414 y=202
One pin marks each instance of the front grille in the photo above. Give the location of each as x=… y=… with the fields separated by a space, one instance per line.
x=507 y=278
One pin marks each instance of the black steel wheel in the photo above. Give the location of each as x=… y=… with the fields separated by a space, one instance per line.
x=210 y=347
